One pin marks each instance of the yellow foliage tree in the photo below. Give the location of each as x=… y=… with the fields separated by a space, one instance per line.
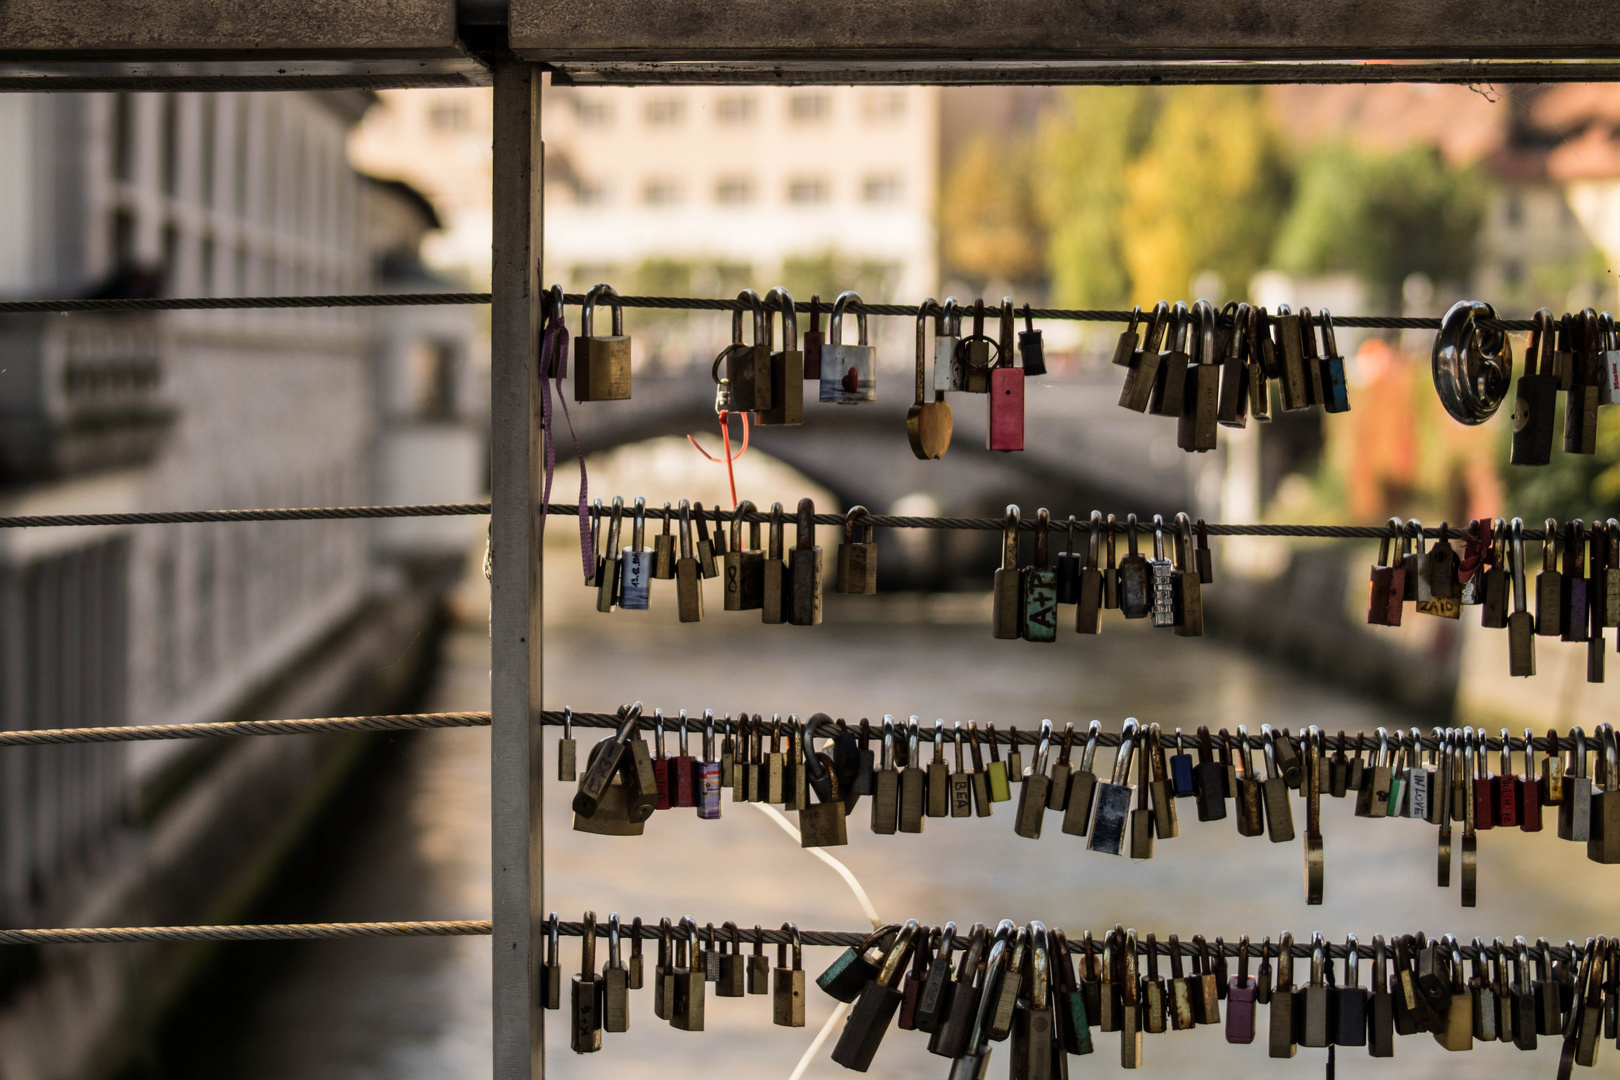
x=990 y=232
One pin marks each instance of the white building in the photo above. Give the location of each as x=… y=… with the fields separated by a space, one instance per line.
x=181 y=195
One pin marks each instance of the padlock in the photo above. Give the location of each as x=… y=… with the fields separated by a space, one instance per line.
x=1520 y=624
x=1549 y=585
x=813 y=340
x=1279 y=811
x=1529 y=788
x=707 y=550
x=775 y=588
x=1000 y=1002
x=733 y=979
x=974 y=356
x=601 y=364
x=1034 y=1045
x=1155 y=995
x=1312 y=362
x=664 y=548
x=688 y=572
x=1037 y=616
x=787 y=983
x=1457 y=1018
x=1581 y=400
x=913 y=784
x=886 y=785
x=996 y=776
x=585 y=1029
x=1196 y=429
x=1209 y=781
x=1129 y=339
x=1314 y=857
x=938 y=800
x=1142 y=366
x=551 y=968
x=1113 y=807
x=1130 y=1028
x=848 y=372
x=744 y=567
x=707 y=774
x=874 y=1009
x=1291 y=360
x=1072 y=1026
x=1380 y=1004
x=1069 y=565
x=1388 y=591
x=611 y=757
x=1258 y=368
x=856 y=966
x=1005 y=400
x=1135 y=578
x=1166 y=821
x=1314 y=1003
x=1161 y=579
x=961 y=784
x=1090 y=593
x=567 y=748
x=805 y=570
x=1007 y=590
x=1061 y=773
x=947 y=335
x=1234 y=389
x=1249 y=791
x=955 y=1016
x=1487 y=1005
x=1240 y=999
x=1536 y=396
x=928 y=421
x=1111 y=571
x=1170 y=375
x=1575 y=811
x=1283 y=1008
x=821 y=824
x=1031 y=352
x=786 y=366
x=1522 y=998
x=1603 y=836
x=759 y=965
x=748 y=367
x=1608 y=361
x=1082 y=791
x=636 y=563
x=1335 y=388
x=609 y=566
x=922 y=956
x=858 y=559
x=1496 y=584
x=615 y=983
x=1033 y=793
x=1416 y=561
x=683 y=768
x=979 y=781
x=1187 y=587
x=594 y=569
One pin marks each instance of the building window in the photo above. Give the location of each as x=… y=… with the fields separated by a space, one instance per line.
x=1513 y=210
x=884 y=105
x=590 y=193
x=662 y=112
x=807 y=107
x=661 y=192
x=883 y=188
x=734 y=191
x=735 y=109
x=807 y=190
x=592 y=113
x=449 y=116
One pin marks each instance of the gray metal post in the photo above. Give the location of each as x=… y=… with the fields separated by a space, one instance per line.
x=516 y=743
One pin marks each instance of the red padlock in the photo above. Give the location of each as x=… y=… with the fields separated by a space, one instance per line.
x=1529 y=788
x=683 y=772
x=1006 y=427
x=1484 y=790
x=1507 y=788
x=660 y=762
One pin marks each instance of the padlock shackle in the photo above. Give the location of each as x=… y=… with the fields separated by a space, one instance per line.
x=638 y=530
x=1130 y=531
x=1285 y=961
x=1043 y=537
x=629 y=716
x=1158 y=321
x=929 y=306
x=588 y=309
x=1122 y=760
x=798 y=947
x=779 y=299
x=1184 y=542
x=553 y=930
x=755 y=305
x=1206 y=324
x=1009 y=538
x=587 y=947
x=854 y=514
x=1240 y=337
x=894 y=962
x=835 y=329
x=1008 y=329
x=1094 y=541
x=1040 y=964
x=774 y=550
x=614 y=521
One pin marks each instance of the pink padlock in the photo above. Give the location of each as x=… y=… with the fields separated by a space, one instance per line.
x=1240 y=991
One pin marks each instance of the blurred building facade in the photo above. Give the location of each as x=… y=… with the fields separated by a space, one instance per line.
x=133 y=195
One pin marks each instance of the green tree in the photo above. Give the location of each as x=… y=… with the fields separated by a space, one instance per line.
x=1205 y=194
x=1382 y=216
x=1082 y=148
x=989 y=228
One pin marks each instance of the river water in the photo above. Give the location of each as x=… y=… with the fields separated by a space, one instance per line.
x=420 y=1009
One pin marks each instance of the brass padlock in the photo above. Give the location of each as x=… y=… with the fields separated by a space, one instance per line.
x=857 y=560
x=602 y=364
x=748 y=367
x=804 y=570
x=787 y=366
x=744 y=568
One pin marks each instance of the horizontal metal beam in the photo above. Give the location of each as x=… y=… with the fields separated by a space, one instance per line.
x=831 y=32
x=90 y=30
x=247 y=75
x=1074 y=73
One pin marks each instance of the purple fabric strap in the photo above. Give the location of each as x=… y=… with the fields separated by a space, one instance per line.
x=553 y=357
